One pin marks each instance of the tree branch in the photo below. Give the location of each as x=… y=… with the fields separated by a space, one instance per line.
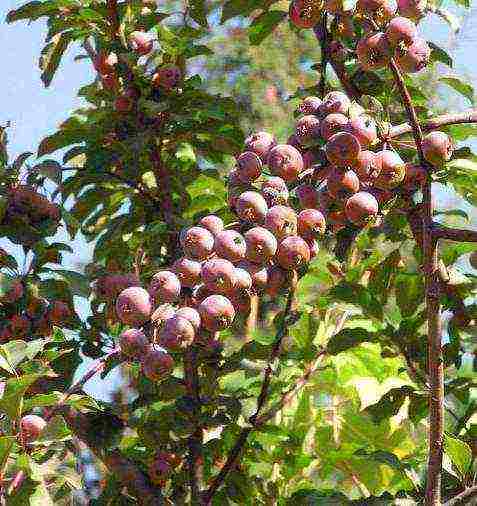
x=262 y=398
x=469 y=116
x=122 y=468
x=463 y=497
x=191 y=375
x=433 y=309
x=453 y=234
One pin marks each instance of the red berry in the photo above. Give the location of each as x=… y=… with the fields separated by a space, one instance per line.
x=133 y=343
x=307 y=195
x=257 y=272
x=307 y=129
x=167 y=77
x=286 y=162
x=304 y=13
x=282 y=221
x=367 y=166
x=165 y=287
x=412 y=9
x=231 y=245
x=342 y=149
x=392 y=172
x=251 y=207
x=212 y=223
x=364 y=129
x=218 y=275
x=332 y=124
x=161 y=314
x=243 y=280
x=188 y=271
x=401 y=31
x=416 y=177
x=309 y=105
x=191 y=315
x=335 y=102
x=261 y=245
x=216 y=313
x=342 y=185
x=141 y=43
x=105 y=63
x=415 y=57
x=260 y=143
x=133 y=306
x=373 y=51
x=293 y=253
x=361 y=208
x=197 y=242
x=337 y=220
x=176 y=333
x=437 y=148
x=156 y=364
x=249 y=167
x=31 y=426
x=311 y=223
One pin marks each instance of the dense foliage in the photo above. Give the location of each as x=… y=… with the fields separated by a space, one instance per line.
x=263 y=294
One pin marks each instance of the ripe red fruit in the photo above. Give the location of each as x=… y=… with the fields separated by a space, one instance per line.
x=293 y=253
x=123 y=104
x=275 y=191
x=373 y=51
x=332 y=124
x=133 y=306
x=415 y=178
x=342 y=149
x=261 y=245
x=243 y=280
x=307 y=130
x=361 y=208
x=59 y=312
x=216 y=313
x=286 y=162
x=156 y=363
x=381 y=11
x=188 y=271
x=401 y=31
x=165 y=287
x=176 y=333
x=277 y=280
x=309 y=105
x=364 y=128
x=311 y=223
x=105 y=63
x=197 y=243
x=335 y=102
x=342 y=185
x=249 y=167
x=412 y=9
x=140 y=42
x=191 y=315
x=277 y=183
x=251 y=207
x=218 y=275
x=31 y=426
x=307 y=195
x=337 y=220
x=167 y=77
x=231 y=245
x=110 y=82
x=393 y=170
x=415 y=57
x=282 y=221
x=304 y=13
x=212 y=223
x=367 y=166
x=437 y=148
x=337 y=50
x=260 y=143
x=257 y=272
x=133 y=343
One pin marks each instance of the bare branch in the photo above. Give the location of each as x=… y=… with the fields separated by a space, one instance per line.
x=463 y=498
x=453 y=234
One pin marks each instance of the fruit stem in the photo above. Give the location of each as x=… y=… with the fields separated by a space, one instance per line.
x=261 y=400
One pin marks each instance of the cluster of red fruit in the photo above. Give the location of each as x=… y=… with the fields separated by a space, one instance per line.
x=398 y=38
x=165 y=77
x=30 y=317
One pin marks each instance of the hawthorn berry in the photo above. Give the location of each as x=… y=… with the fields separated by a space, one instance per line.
x=133 y=306
x=216 y=313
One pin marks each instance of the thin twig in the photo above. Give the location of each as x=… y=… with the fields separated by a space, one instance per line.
x=463 y=498
x=262 y=398
x=453 y=234
x=324 y=40
x=469 y=116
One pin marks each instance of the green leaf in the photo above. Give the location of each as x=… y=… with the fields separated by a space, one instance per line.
x=56 y=430
x=459 y=453
x=348 y=338
x=31 y=10
x=263 y=25
x=50 y=169
x=41 y=400
x=460 y=86
x=234 y=8
x=6 y=283
x=6 y=443
x=438 y=54
x=12 y=400
x=198 y=12
x=51 y=56
x=77 y=282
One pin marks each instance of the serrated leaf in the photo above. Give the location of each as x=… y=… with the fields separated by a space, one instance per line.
x=460 y=86
x=262 y=26
x=459 y=453
x=51 y=56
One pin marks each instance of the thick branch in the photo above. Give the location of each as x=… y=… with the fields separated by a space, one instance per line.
x=191 y=375
x=434 y=331
x=469 y=116
x=463 y=498
x=453 y=234
x=262 y=398
x=125 y=471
